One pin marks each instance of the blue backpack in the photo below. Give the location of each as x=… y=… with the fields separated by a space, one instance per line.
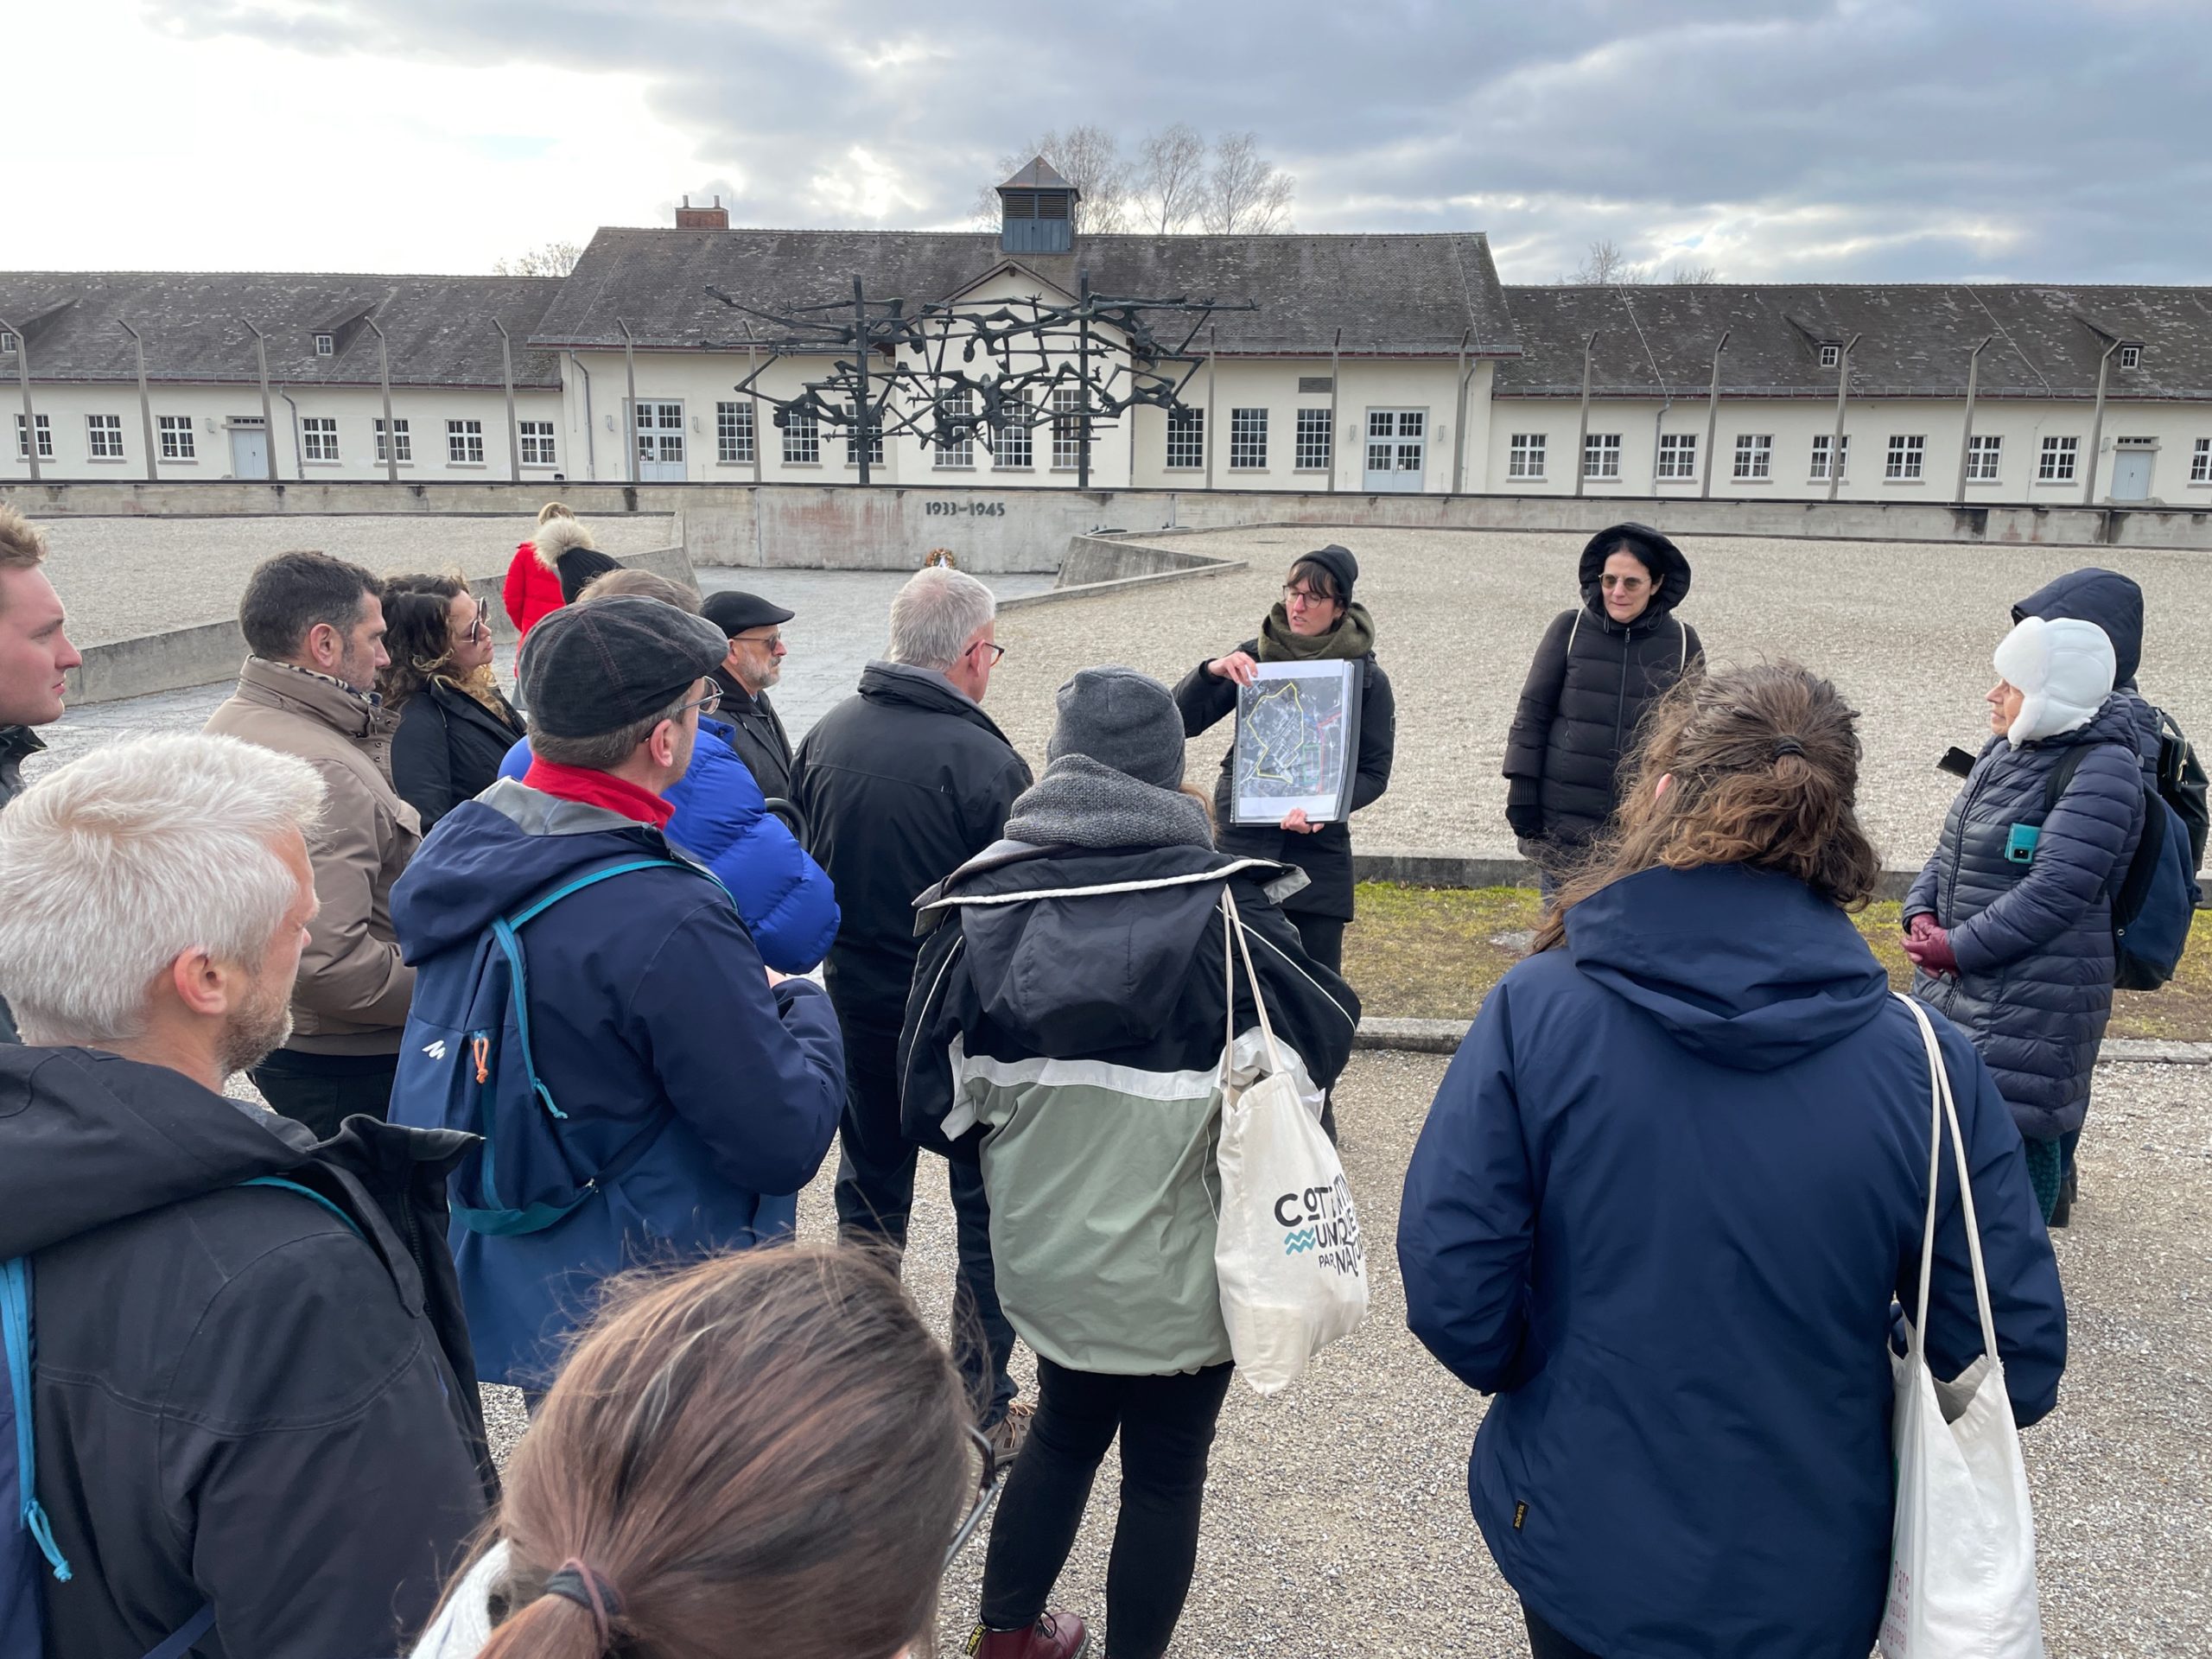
x=475 y=1072
x=27 y=1543
x=2156 y=897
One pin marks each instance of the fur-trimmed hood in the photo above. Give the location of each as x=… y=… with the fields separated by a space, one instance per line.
x=558 y=536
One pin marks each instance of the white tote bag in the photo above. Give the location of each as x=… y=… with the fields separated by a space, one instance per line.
x=1962 y=1559
x=1288 y=1250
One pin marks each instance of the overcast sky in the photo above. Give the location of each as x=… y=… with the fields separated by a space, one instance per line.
x=2011 y=139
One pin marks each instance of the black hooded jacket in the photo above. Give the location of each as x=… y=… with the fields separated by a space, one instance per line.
x=242 y=1398
x=1592 y=682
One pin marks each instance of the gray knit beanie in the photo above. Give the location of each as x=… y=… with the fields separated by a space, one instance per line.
x=1121 y=719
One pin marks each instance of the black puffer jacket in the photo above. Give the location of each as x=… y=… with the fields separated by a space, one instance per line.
x=2034 y=940
x=446 y=749
x=1325 y=854
x=1593 y=681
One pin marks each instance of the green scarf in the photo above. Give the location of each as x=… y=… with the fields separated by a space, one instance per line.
x=1352 y=638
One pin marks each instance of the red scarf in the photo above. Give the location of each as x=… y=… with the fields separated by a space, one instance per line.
x=599 y=789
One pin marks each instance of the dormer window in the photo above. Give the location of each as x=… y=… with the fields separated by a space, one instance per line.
x=1831 y=357
x=326 y=345
x=2131 y=357
x=7 y=344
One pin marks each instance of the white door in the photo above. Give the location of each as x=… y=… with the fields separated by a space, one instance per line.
x=249 y=452
x=2131 y=474
x=660 y=443
x=1397 y=448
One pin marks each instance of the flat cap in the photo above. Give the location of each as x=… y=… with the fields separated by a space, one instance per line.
x=734 y=613
x=588 y=669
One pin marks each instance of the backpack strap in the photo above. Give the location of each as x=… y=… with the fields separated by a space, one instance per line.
x=16 y=1330
x=307 y=1192
x=2061 y=776
x=178 y=1642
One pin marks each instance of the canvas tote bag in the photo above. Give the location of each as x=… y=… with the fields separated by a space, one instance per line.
x=1963 y=1559
x=1286 y=1248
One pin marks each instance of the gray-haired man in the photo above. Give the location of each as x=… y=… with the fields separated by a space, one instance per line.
x=901 y=786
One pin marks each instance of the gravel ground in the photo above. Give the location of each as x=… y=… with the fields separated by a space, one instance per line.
x=122 y=577
x=1337 y=1518
x=1906 y=630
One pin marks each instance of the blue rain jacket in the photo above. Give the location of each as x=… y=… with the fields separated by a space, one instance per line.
x=722 y=820
x=647 y=1001
x=1663 y=1200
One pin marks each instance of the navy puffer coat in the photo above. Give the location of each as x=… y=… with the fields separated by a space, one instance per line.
x=2034 y=940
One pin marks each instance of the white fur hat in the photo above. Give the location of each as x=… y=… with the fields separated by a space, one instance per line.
x=558 y=536
x=2064 y=669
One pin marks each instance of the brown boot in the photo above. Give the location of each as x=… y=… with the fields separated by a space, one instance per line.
x=1056 y=1636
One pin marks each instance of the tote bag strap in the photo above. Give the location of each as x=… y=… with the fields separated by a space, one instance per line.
x=1233 y=928
x=1942 y=1109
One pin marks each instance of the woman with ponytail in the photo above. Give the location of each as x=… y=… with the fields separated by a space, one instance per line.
x=1669 y=1190
x=767 y=1454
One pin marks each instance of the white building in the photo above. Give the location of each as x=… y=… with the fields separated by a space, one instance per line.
x=1367 y=363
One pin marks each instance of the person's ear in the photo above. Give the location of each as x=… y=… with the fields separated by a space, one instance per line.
x=201 y=983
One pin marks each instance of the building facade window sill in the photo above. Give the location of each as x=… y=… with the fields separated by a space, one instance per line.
x=952 y=469
x=101 y=460
x=1909 y=483
x=1762 y=482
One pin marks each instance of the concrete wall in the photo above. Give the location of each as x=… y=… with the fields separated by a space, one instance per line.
x=995 y=531
x=212 y=652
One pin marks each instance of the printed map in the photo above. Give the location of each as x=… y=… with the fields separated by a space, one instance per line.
x=1292 y=744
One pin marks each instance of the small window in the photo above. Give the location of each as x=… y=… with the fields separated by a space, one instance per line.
x=1323 y=384
x=2200 y=458
x=399 y=437
x=733 y=433
x=874 y=446
x=1013 y=445
x=45 y=440
x=1985 y=451
x=1248 y=439
x=1907 y=452
x=2056 y=464
x=1067 y=427
x=1831 y=357
x=1601 y=455
x=326 y=345
x=1821 y=447
x=1315 y=440
x=537 y=442
x=7 y=344
x=1755 y=455
x=465 y=442
x=2131 y=357
x=319 y=437
x=1678 y=455
x=960 y=452
x=802 y=437
x=1186 y=438
x=1526 y=457
x=177 y=442
x=104 y=436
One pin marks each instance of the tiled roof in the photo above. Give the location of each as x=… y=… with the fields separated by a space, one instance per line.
x=1390 y=294
x=439 y=327
x=1039 y=175
x=1914 y=339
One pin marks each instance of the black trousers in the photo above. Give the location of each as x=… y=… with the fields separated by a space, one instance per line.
x=1324 y=939
x=875 y=1196
x=1166 y=1427
x=1545 y=1642
x=324 y=1091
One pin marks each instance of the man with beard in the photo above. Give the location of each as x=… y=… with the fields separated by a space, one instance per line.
x=316 y=628
x=253 y=1405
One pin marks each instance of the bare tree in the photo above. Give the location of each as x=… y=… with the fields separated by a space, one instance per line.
x=1606 y=266
x=554 y=259
x=1171 y=178
x=1695 y=274
x=1089 y=158
x=1245 y=193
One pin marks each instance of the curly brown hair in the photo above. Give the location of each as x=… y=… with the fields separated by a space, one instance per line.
x=1760 y=768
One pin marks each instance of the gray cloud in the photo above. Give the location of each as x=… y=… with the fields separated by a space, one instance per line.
x=1858 y=139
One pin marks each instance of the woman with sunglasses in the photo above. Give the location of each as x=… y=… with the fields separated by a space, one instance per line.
x=1598 y=669
x=454 y=725
x=766 y=1454
x=1316 y=620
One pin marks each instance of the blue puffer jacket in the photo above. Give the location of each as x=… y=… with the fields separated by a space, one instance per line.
x=722 y=820
x=1660 y=1208
x=2034 y=940
x=2114 y=603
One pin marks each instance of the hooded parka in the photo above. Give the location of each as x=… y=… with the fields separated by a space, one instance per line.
x=243 y=1396
x=1066 y=1030
x=2114 y=603
x=2033 y=938
x=1660 y=1209
x=1592 y=682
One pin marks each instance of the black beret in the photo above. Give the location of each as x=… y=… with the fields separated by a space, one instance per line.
x=1339 y=562
x=588 y=669
x=734 y=613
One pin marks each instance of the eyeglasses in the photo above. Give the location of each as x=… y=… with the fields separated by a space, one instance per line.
x=478 y=629
x=769 y=642
x=1296 y=596
x=986 y=1492
x=997 y=650
x=705 y=705
x=1626 y=584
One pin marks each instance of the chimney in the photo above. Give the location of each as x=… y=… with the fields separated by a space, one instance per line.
x=1037 y=209
x=715 y=218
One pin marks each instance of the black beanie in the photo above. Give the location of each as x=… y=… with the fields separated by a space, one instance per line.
x=1343 y=568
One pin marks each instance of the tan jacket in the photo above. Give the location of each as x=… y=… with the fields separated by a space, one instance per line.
x=352 y=991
